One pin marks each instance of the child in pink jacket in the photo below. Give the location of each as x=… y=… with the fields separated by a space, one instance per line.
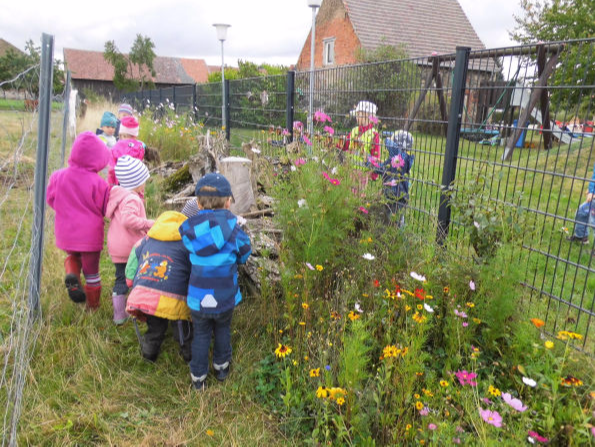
x=129 y=223
x=79 y=196
x=128 y=144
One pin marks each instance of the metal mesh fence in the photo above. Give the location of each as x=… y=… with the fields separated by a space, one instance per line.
x=522 y=138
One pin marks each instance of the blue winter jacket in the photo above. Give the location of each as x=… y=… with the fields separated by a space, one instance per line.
x=217 y=245
x=592 y=183
x=395 y=178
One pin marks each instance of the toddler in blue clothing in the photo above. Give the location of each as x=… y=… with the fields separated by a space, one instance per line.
x=217 y=245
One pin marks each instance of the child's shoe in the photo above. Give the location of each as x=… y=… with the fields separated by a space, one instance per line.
x=72 y=280
x=93 y=296
x=119 y=303
x=222 y=373
x=199 y=385
x=582 y=240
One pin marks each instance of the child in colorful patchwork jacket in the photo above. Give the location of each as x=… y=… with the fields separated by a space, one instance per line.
x=79 y=197
x=129 y=223
x=158 y=271
x=217 y=245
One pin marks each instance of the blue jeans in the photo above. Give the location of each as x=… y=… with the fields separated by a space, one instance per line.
x=205 y=326
x=585 y=214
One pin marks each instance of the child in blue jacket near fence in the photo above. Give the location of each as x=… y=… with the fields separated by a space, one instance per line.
x=217 y=245
x=395 y=174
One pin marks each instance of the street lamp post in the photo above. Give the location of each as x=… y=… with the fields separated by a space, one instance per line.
x=314 y=4
x=222 y=35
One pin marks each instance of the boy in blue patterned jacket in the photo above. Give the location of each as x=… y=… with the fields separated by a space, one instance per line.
x=217 y=245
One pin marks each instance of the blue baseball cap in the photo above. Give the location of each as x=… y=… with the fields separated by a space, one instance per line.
x=220 y=185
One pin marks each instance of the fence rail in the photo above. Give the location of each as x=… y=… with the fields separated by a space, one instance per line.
x=519 y=119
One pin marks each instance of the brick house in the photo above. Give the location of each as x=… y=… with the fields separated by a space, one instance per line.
x=89 y=70
x=421 y=27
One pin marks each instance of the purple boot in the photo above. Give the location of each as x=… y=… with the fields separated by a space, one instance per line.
x=120 y=315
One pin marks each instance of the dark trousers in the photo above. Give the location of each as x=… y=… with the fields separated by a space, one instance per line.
x=205 y=327
x=120 y=287
x=156 y=329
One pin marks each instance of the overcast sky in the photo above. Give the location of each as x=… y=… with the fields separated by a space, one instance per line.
x=271 y=31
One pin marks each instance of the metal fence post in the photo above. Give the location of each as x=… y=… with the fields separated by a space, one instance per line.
x=41 y=167
x=290 y=93
x=174 y=98
x=227 y=114
x=194 y=102
x=453 y=134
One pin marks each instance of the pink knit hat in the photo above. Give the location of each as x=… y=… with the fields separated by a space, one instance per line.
x=129 y=125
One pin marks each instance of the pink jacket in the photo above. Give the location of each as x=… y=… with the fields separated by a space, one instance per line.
x=128 y=223
x=79 y=196
x=134 y=148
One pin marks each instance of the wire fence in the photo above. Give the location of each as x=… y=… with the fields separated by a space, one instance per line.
x=512 y=126
x=22 y=180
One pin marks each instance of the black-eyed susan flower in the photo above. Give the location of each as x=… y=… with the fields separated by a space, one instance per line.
x=565 y=335
x=353 y=316
x=390 y=351
x=340 y=401
x=494 y=391
x=315 y=372
x=444 y=383
x=322 y=392
x=419 y=406
x=282 y=351
x=571 y=381
x=305 y=306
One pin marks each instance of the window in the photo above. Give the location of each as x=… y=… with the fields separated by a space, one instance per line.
x=328 y=51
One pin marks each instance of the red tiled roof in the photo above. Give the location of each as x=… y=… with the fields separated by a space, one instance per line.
x=91 y=65
x=422 y=26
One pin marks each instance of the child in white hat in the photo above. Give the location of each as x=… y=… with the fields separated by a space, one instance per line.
x=363 y=142
x=129 y=223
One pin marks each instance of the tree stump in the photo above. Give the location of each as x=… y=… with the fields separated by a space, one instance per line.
x=238 y=171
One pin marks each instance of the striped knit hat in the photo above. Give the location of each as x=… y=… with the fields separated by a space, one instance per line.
x=131 y=172
x=125 y=108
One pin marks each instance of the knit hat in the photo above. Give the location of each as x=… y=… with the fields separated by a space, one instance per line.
x=129 y=125
x=364 y=106
x=108 y=119
x=403 y=139
x=125 y=108
x=216 y=181
x=131 y=172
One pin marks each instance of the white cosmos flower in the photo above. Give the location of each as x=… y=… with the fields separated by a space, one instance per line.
x=368 y=256
x=334 y=170
x=293 y=168
x=529 y=382
x=418 y=277
x=471 y=285
x=428 y=308
x=301 y=202
x=358 y=308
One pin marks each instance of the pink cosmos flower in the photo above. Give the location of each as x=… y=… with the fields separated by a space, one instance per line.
x=538 y=437
x=432 y=426
x=326 y=176
x=491 y=417
x=363 y=210
x=471 y=285
x=307 y=141
x=335 y=181
x=514 y=403
x=374 y=161
x=466 y=378
x=456 y=440
x=298 y=125
x=397 y=162
x=393 y=182
x=465 y=324
x=300 y=161
x=460 y=314
x=487 y=401
x=309 y=266
x=321 y=117
x=424 y=411
x=329 y=129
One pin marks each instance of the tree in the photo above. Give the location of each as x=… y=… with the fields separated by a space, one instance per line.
x=562 y=20
x=23 y=68
x=133 y=71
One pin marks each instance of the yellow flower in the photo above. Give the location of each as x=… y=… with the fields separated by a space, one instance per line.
x=302 y=323
x=322 y=392
x=340 y=401
x=306 y=358
x=494 y=391
x=408 y=427
x=305 y=306
x=298 y=276
x=428 y=393
x=391 y=351
x=476 y=320
x=565 y=335
x=443 y=383
x=315 y=372
x=419 y=318
x=429 y=297
x=319 y=268
x=420 y=307
x=365 y=295
x=446 y=289
x=417 y=396
x=282 y=351
x=469 y=305
x=404 y=351
x=549 y=344
x=407 y=308
x=419 y=405
x=210 y=432
x=335 y=393
x=353 y=316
